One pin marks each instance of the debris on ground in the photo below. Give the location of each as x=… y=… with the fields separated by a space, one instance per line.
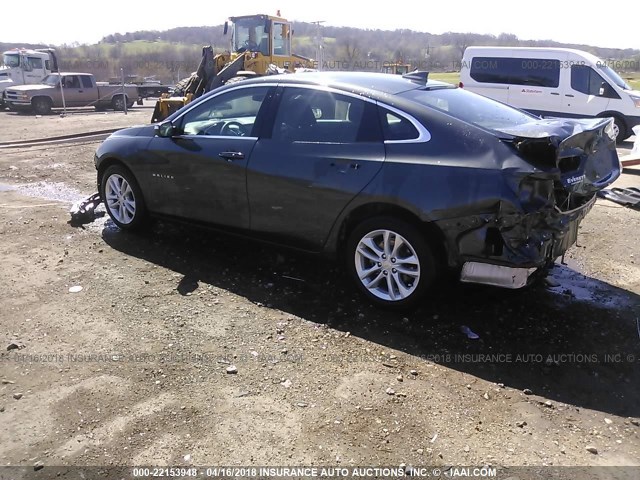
x=629 y=197
x=84 y=211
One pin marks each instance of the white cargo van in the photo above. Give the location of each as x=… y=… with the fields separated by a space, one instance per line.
x=558 y=82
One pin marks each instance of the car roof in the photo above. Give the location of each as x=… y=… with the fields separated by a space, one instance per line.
x=69 y=73
x=367 y=83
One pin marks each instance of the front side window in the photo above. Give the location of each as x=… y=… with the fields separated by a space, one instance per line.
x=250 y=35
x=309 y=115
x=51 y=80
x=35 y=63
x=516 y=71
x=585 y=79
x=71 y=82
x=229 y=114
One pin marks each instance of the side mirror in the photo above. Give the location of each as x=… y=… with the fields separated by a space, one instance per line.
x=267 y=26
x=606 y=90
x=603 y=87
x=165 y=130
x=226 y=28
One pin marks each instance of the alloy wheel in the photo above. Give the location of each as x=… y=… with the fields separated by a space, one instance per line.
x=387 y=265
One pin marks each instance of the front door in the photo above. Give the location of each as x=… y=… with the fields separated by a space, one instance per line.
x=200 y=173
x=586 y=96
x=72 y=90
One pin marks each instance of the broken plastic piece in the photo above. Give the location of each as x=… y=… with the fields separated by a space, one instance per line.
x=495 y=275
x=84 y=211
x=629 y=197
x=471 y=335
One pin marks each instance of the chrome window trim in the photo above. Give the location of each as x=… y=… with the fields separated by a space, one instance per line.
x=423 y=134
x=234 y=137
x=179 y=117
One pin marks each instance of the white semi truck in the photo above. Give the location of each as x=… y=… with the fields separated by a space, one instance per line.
x=22 y=66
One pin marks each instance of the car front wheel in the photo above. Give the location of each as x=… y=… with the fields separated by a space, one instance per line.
x=122 y=198
x=391 y=262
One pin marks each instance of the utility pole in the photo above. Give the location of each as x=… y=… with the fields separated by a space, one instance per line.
x=319 y=43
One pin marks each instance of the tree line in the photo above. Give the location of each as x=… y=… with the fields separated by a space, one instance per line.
x=172 y=54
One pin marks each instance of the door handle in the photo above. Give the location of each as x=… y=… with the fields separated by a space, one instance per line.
x=569 y=95
x=80 y=91
x=555 y=93
x=231 y=156
x=342 y=165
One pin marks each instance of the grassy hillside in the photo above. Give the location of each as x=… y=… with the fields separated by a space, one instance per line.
x=173 y=54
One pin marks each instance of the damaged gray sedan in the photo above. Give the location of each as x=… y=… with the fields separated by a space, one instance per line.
x=398 y=177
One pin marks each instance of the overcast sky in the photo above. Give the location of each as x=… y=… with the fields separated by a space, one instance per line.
x=570 y=22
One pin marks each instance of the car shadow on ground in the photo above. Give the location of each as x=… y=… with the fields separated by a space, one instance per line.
x=576 y=343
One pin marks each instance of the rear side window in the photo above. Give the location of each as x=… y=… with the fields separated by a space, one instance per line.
x=516 y=71
x=310 y=115
x=396 y=127
x=586 y=80
x=86 y=82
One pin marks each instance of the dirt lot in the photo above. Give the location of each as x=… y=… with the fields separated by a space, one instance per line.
x=132 y=370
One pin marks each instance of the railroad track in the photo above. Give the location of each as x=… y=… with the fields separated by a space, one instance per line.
x=95 y=135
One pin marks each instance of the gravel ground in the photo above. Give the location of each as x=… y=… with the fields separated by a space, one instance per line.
x=191 y=348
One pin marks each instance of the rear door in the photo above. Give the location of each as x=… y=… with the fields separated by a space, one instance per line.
x=88 y=90
x=323 y=149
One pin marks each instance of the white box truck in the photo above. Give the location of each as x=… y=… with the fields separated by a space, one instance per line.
x=554 y=82
x=22 y=66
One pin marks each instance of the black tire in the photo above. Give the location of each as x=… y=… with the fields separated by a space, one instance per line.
x=623 y=130
x=41 y=105
x=126 y=218
x=414 y=243
x=118 y=103
x=180 y=88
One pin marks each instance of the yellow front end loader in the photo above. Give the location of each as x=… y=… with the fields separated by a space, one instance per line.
x=260 y=45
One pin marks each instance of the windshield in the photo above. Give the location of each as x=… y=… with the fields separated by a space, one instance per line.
x=470 y=107
x=614 y=77
x=249 y=34
x=11 y=60
x=51 y=80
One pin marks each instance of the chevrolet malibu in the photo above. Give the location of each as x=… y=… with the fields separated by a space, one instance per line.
x=399 y=177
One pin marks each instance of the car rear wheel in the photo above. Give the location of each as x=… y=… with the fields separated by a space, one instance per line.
x=391 y=262
x=123 y=198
